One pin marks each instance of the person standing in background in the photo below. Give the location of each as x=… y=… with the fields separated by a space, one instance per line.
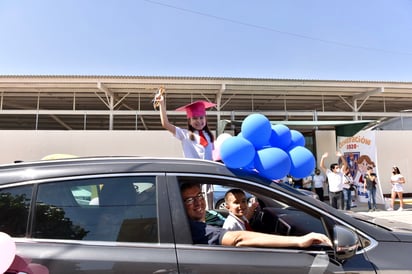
x=370 y=187
x=318 y=184
x=307 y=183
x=347 y=189
x=335 y=179
x=397 y=181
x=297 y=182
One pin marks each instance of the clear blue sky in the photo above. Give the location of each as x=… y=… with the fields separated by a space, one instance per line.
x=294 y=39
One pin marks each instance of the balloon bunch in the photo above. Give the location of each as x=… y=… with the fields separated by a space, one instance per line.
x=273 y=150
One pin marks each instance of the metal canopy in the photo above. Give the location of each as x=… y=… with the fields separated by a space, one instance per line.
x=124 y=102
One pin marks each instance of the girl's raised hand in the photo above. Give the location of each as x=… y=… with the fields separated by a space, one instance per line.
x=158 y=97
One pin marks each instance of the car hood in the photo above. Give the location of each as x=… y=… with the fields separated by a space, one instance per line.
x=402 y=230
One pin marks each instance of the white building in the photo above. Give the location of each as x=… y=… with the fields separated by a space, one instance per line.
x=114 y=115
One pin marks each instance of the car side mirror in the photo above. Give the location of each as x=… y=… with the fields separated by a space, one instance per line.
x=345 y=242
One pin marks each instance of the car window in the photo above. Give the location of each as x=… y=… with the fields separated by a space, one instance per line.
x=14 y=209
x=276 y=213
x=122 y=209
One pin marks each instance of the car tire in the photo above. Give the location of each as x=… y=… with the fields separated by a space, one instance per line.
x=220 y=204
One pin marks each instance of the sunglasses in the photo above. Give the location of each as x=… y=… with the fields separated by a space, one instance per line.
x=190 y=200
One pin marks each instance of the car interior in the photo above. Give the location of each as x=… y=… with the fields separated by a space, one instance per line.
x=272 y=216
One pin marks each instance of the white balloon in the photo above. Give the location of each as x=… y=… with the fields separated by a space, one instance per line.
x=218 y=142
x=7 y=251
x=222 y=137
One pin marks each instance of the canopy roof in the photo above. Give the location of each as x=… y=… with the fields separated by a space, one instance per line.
x=125 y=102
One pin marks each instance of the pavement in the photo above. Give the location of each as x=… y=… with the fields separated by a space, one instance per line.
x=404 y=216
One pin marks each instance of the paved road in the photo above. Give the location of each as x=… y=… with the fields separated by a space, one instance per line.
x=404 y=216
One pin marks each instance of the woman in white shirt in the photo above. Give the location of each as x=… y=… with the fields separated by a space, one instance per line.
x=397 y=181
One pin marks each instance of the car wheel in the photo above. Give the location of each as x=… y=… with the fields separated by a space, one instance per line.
x=220 y=204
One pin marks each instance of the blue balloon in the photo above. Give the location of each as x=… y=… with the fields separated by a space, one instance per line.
x=302 y=162
x=297 y=139
x=237 y=152
x=250 y=166
x=272 y=163
x=257 y=129
x=280 y=136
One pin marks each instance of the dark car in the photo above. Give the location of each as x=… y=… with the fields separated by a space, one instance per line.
x=126 y=215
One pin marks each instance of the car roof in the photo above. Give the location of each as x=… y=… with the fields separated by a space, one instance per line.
x=44 y=169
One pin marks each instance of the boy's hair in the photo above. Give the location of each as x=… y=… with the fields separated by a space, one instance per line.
x=233 y=191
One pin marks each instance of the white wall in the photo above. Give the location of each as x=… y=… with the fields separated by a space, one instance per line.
x=394 y=148
x=34 y=145
x=326 y=142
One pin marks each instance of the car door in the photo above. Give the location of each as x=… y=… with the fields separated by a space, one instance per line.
x=223 y=259
x=107 y=224
x=218 y=259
